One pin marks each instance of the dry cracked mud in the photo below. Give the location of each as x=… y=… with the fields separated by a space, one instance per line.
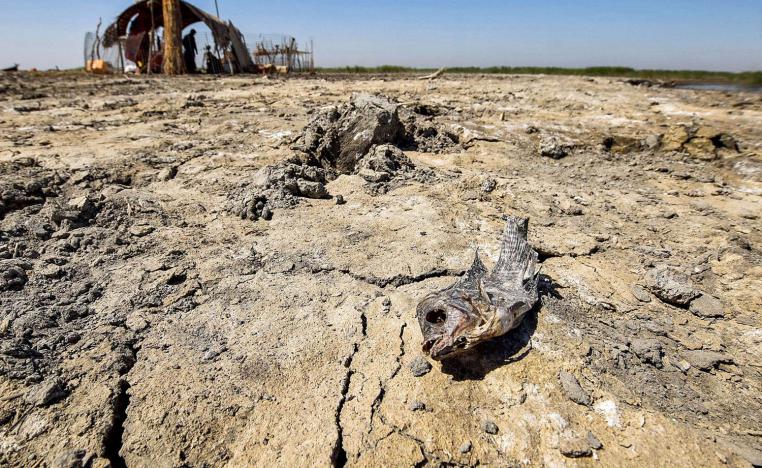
x=143 y=322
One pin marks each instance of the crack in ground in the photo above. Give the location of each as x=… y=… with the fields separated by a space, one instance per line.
x=396 y=280
x=114 y=437
x=382 y=391
x=339 y=454
x=427 y=457
x=545 y=254
x=402 y=280
x=113 y=440
x=376 y=405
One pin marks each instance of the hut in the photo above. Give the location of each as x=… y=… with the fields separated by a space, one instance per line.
x=134 y=33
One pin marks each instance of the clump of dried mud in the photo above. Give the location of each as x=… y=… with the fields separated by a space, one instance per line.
x=143 y=322
x=363 y=137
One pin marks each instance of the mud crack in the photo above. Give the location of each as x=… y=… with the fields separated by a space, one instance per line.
x=382 y=282
x=376 y=405
x=114 y=437
x=427 y=457
x=339 y=454
x=382 y=391
x=402 y=280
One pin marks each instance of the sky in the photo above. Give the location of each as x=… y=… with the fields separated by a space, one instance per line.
x=664 y=34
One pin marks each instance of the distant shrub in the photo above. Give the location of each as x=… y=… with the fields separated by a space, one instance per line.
x=750 y=78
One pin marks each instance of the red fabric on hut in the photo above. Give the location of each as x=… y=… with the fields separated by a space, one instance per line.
x=143 y=16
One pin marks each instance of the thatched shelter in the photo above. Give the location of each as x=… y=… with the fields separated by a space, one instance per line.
x=144 y=17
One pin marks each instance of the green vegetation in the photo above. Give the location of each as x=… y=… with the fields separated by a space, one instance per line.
x=380 y=69
x=748 y=78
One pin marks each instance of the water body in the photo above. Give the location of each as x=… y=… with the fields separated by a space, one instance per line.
x=728 y=87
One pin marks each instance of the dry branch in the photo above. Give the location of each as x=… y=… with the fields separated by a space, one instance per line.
x=434 y=75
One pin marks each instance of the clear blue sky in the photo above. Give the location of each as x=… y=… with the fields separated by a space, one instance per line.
x=674 y=34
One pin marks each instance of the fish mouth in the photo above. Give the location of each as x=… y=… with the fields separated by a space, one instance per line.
x=440 y=348
x=428 y=344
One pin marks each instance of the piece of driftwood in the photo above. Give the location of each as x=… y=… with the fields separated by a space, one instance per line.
x=433 y=76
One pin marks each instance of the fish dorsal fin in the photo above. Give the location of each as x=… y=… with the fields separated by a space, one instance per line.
x=471 y=281
x=518 y=261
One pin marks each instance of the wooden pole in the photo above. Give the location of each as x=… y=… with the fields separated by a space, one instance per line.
x=173 y=49
x=151 y=39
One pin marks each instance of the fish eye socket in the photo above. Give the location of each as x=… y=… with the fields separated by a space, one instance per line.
x=436 y=317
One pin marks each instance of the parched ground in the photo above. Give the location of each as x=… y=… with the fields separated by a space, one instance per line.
x=143 y=324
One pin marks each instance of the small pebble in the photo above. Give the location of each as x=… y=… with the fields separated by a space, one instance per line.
x=46 y=393
x=575 y=447
x=573 y=389
x=640 y=294
x=416 y=406
x=466 y=447
x=593 y=441
x=72 y=338
x=490 y=427
x=420 y=366
x=210 y=355
x=707 y=306
x=489 y=185
x=141 y=231
x=340 y=200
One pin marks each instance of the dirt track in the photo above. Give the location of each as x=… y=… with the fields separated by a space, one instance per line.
x=144 y=323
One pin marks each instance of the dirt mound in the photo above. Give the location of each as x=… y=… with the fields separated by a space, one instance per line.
x=338 y=137
x=280 y=186
x=362 y=137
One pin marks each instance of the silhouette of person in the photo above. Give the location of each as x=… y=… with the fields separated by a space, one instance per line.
x=213 y=65
x=189 y=51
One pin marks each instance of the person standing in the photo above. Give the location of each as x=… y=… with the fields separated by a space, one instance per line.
x=189 y=51
x=213 y=65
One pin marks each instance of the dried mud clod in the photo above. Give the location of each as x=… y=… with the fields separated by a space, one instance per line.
x=339 y=137
x=384 y=162
x=699 y=142
x=280 y=186
x=24 y=183
x=554 y=147
x=364 y=137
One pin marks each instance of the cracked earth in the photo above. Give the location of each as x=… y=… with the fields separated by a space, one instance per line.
x=143 y=324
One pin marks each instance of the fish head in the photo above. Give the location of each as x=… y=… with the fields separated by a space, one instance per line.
x=479 y=307
x=448 y=322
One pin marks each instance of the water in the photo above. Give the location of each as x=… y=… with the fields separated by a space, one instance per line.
x=727 y=87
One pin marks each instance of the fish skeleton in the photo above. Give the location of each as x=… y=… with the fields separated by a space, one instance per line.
x=481 y=306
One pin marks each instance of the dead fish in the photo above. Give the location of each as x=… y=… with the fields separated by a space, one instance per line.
x=479 y=307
